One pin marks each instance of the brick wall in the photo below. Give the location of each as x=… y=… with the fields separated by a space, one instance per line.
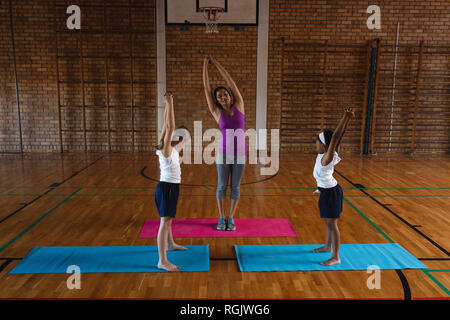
x=9 y=138
x=344 y=22
x=298 y=22
x=35 y=35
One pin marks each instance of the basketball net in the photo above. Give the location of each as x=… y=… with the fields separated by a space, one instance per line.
x=212 y=16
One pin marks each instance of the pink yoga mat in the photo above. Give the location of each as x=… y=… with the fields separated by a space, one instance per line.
x=193 y=228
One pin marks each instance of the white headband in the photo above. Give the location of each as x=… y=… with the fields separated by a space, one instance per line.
x=322 y=138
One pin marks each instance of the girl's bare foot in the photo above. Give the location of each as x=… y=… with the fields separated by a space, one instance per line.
x=175 y=246
x=322 y=249
x=168 y=266
x=331 y=262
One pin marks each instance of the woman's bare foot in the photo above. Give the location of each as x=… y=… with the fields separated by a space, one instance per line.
x=322 y=249
x=331 y=262
x=175 y=246
x=168 y=266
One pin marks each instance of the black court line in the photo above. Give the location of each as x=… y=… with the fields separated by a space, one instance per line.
x=434 y=259
x=405 y=284
x=51 y=188
x=362 y=189
x=7 y=262
x=404 y=281
x=206 y=185
x=4 y=265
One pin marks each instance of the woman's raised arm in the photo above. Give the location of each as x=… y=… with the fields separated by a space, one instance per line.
x=209 y=98
x=239 y=101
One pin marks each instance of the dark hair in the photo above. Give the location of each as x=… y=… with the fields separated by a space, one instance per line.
x=215 y=95
x=328 y=134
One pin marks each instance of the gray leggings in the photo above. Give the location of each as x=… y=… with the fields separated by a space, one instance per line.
x=224 y=170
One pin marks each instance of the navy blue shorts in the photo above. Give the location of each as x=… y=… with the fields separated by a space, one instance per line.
x=330 y=202
x=166 y=198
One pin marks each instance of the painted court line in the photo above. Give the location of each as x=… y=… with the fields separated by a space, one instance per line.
x=213 y=195
x=427 y=272
x=38 y=220
x=209 y=188
x=50 y=189
x=85 y=187
x=368 y=220
x=395 y=214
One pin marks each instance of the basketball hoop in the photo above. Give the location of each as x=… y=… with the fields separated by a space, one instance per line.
x=212 y=16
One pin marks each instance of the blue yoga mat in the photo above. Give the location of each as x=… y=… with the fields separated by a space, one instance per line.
x=110 y=259
x=301 y=257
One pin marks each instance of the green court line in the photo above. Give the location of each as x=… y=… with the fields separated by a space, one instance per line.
x=88 y=187
x=194 y=195
x=254 y=195
x=117 y=195
x=38 y=220
x=31 y=195
x=242 y=195
x=402 y=195
x=406 y=188
x=426 y=271
x=30 y=187
x=368 y=220
x=181 y=187
x=207 y=187
x=379 y=188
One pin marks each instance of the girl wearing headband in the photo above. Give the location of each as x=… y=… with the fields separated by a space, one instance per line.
x=331 y=196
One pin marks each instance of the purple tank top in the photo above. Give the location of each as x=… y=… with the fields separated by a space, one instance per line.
x=234 y=122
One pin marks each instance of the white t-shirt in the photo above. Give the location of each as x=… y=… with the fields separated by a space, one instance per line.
x=324 y=174
x=170 y=167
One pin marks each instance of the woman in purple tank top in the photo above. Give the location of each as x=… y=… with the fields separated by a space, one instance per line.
x=227 y=108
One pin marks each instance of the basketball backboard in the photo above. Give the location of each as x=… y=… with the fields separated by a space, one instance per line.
x=236 y=12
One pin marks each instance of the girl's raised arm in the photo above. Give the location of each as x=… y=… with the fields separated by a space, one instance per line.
x=169 y=124
x=337 y=136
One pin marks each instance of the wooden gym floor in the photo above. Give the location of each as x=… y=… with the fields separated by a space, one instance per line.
x=104 y=200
